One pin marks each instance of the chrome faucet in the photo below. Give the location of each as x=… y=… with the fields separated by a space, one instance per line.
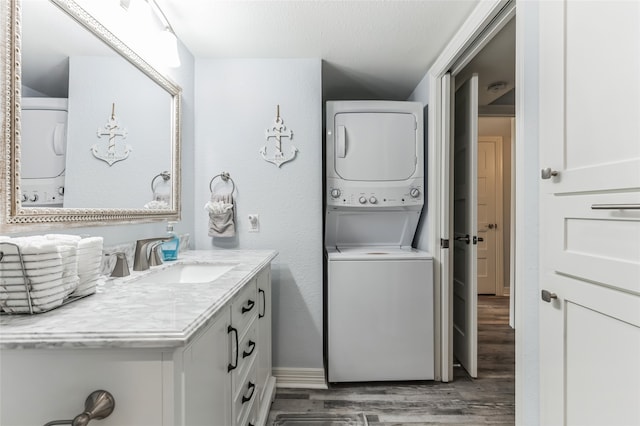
x=141 y=258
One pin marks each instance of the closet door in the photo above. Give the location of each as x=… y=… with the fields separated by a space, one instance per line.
x=589 y=213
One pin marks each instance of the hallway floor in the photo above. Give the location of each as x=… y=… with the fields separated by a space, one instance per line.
x=489 y=399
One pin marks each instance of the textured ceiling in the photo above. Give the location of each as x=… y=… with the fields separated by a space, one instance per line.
x=370 y=49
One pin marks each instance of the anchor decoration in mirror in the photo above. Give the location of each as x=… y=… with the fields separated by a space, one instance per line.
x=113 y=151
x=278 y=131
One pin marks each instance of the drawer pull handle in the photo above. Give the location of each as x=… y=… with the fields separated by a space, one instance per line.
x=264 y=303
x=252 y=347
x=250 y=305
x=615 y=207
x=235 y=332
x=252 y=388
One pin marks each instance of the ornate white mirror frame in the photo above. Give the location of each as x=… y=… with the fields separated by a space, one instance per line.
x=16 y=217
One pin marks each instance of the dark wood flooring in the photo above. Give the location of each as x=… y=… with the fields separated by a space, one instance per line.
x=489 y=399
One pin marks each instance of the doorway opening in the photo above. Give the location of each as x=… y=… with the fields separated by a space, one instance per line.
x=482 y=135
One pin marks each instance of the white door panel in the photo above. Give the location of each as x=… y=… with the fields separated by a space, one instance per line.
x=590 y=259
x=489 y=281
x=446 y=222
x=465 y=225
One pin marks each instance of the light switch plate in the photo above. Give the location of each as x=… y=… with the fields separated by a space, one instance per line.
x=254 y=223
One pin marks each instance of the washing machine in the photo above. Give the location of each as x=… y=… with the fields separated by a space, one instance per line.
x=379 y=289
x=43 y=151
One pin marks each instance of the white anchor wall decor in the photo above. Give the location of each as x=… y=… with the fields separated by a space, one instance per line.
x=278 y=131
x=113 y=152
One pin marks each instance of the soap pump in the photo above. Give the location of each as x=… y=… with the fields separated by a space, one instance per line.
x=170 y=247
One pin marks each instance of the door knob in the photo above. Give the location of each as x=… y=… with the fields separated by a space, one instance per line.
x=466 y=239
x=548 y=173
x=547 y=296
x=493 y=225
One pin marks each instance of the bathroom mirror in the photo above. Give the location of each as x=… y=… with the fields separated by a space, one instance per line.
x=92 y=130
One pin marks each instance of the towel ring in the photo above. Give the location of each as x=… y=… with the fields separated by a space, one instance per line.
x=164 y=175
x=225 y=178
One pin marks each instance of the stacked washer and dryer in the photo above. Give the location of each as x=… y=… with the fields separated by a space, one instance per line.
x=379 y=294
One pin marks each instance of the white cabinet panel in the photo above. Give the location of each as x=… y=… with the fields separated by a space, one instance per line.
x=206 y=376
x=39 y=386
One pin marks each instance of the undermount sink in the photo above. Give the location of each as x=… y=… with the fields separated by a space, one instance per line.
x=187 y=273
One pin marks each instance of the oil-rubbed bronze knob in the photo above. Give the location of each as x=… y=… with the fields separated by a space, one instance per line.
x=98 y=405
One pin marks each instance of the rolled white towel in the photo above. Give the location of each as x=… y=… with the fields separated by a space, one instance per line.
x=91 y=242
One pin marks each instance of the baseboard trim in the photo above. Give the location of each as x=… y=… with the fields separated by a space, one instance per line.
x=304 y=378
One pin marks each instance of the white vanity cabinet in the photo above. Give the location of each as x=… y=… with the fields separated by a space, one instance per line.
x=219 y=378
x=225 y=376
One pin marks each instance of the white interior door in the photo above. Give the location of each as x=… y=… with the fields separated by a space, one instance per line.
x=446 y=231
x=589 y=213
x=465 y=299
x=489 y=205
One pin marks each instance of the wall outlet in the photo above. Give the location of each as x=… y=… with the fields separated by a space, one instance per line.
x=254 y=223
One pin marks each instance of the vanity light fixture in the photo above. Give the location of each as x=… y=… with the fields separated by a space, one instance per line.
x=168 y=42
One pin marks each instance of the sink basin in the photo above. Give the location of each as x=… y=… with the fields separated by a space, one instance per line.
x=187 y=273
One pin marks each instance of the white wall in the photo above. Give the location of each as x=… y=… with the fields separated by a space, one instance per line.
x=142 y=110
x=235 y=103
x=422 y=238
x=501 y=126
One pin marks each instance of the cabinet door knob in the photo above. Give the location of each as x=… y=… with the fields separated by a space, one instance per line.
x=547 y=296
x=548 y=173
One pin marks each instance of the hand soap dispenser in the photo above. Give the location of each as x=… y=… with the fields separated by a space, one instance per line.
x=170 y=248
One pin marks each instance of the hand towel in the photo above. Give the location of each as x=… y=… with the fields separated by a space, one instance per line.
x=221 y=215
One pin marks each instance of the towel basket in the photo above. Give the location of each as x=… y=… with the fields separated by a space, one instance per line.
x=16 y=289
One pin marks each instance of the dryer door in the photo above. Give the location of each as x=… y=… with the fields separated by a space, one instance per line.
x=375 y=146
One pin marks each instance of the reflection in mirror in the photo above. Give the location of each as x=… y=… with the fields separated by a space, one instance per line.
x=98 y=124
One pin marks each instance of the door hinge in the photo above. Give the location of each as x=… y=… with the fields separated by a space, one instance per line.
x=444 y=243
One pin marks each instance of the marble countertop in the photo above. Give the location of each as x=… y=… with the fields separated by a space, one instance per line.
x=127 y=314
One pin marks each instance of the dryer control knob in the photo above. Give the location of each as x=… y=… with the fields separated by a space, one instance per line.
x=25 y=197
x=34 y=198
x=373 y=200
x=335 y=193
x=363 y=200
x=61 y=190
x=414 y=192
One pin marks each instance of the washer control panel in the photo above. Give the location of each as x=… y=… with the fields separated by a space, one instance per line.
x=42 y=192
x=378 y=197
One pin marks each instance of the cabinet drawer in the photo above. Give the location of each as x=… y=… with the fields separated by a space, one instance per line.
x=247 y=352
x=244 y=307
x=245 y=396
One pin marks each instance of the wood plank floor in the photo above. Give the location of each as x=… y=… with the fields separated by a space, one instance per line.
x=489 y=399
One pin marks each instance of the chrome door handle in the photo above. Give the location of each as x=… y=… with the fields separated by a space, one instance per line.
x=547 y=296
x=548 y=173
